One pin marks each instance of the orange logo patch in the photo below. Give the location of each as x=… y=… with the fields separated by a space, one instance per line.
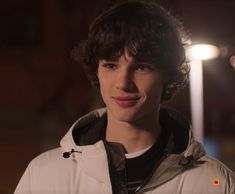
x=215 y=182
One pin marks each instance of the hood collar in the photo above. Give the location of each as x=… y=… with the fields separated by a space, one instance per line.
x=90 y=128
x=86 y=130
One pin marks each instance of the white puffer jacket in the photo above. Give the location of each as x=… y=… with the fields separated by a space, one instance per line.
x=86 y=170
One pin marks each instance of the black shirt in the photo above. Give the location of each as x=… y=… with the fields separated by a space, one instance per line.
x=141 y=167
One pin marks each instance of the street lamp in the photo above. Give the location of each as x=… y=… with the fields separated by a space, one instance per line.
x=197 y=53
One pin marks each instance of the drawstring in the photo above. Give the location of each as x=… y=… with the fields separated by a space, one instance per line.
x=186 y=161
x=68 y=154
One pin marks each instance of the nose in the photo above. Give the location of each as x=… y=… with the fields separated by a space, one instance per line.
x=125 y=81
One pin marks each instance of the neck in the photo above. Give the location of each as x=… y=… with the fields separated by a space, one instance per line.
x=135 y=135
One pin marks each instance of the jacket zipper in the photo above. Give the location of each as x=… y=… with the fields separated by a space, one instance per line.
x=152 y=172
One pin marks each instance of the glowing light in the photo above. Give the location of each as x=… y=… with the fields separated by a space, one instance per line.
x=202 y=52
x=196 y=99
x=197 y=53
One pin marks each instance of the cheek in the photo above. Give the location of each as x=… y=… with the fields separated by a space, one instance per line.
x=103 y=84
x=104 y=88
x=153 y=90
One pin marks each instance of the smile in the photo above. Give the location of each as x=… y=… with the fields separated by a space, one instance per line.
x=126 y=101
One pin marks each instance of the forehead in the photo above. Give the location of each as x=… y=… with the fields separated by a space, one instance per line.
x=127 y=57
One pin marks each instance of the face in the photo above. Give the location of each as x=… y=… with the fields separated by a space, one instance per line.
x=131 y=90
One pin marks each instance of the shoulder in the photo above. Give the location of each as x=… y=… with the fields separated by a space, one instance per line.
x=217 y=167
x=50 y=166
x=207 y=174
x=212 y=175
x=48 y=160
x=53 y=154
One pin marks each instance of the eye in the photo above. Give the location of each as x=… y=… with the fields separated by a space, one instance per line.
x=110 y=66
x=143 y=67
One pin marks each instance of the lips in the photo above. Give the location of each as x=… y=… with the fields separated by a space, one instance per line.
x=126 y=101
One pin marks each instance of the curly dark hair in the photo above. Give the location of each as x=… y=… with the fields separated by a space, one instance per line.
x=147 y=31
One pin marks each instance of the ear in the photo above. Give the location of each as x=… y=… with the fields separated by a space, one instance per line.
x=97 y=72
x=165 y=80
x=97 y=69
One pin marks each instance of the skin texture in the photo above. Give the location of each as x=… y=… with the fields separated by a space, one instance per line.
x=131 y=91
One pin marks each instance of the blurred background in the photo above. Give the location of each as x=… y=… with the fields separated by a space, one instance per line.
x=43 y=91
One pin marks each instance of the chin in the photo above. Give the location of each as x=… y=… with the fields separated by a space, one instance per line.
x=128 y=119
x=126 y=115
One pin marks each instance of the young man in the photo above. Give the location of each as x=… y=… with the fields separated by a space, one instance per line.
x=134 y=54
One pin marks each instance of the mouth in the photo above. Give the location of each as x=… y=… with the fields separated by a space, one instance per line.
x=126 y=101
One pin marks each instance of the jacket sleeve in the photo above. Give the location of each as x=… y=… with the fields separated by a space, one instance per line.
x=230 y=177
x=232 y=190
x=23 y=186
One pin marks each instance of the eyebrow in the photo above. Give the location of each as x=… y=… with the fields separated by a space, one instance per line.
x=107 y=60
